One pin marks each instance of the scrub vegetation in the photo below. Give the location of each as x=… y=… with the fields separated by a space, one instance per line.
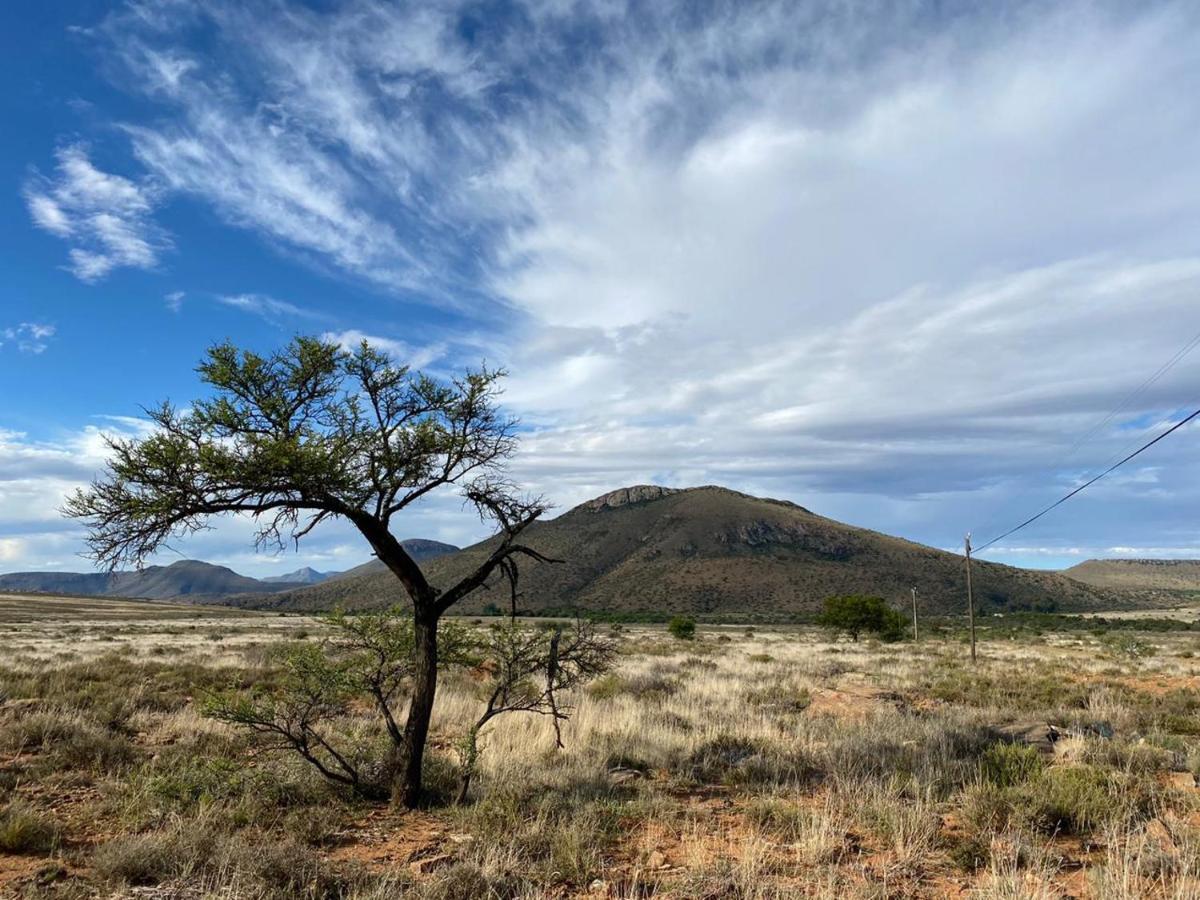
x=756 y=763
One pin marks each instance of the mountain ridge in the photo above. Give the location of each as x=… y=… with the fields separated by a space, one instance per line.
x=713 y=550
x=191 y=580
x=1138 y=574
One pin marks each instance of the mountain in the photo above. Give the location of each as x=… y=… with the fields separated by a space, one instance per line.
x=710 y=550
x=307 y=575
x=1139 y=574
x=419 y=549
x=188 y=578
x=195 y=580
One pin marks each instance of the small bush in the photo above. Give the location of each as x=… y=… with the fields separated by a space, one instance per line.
x=647 y=686
x=682 y=628
x=713 y=760
x=1129 y=646
x=1072 y=800
x=23 y=830
x=1007 y=765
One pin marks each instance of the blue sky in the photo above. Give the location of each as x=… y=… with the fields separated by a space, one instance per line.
x=891 y=265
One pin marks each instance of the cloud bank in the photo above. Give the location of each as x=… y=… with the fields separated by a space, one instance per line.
x=888 y=262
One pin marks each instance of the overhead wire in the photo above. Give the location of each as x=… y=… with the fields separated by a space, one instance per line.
x=1061 y=500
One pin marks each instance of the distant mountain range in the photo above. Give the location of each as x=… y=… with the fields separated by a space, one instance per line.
x=307 y=575
x=192 y=579
x=710 y=550
x=1139 y=574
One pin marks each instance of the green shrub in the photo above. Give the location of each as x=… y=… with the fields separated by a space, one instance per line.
x=682 y=628
x=1071 y=799
x=856 y=615
x=727 y=759
x=647 y=686
x=1007 y=765
x=23 y=830
x=1129 y=646
x=246 y=863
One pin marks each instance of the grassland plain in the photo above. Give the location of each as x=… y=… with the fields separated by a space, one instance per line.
x=751 y=763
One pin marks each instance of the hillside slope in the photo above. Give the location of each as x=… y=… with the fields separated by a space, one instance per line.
x=711 y=550
x=1139 y=574
x=189 y=578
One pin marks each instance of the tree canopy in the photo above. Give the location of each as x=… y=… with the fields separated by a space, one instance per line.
x=314 y=432
x=856 y=614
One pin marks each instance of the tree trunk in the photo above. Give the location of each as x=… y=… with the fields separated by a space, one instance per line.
x=416 y=730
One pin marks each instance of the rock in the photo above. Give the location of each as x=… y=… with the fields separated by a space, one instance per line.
x=461 y=838
x=1041 y=735
x=622 y=775
x=1096 y=729
x=430 y=863
x=1159 y=836
x=599 y=886
x=1184 y=781
x=640 y=493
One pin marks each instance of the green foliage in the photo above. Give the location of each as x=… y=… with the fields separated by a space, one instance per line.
x=1072 y=799
x=23 y=830
x=857 y=614
x=1129 y=646
x=1006 y=765
x=682 y=628
x=369 y=662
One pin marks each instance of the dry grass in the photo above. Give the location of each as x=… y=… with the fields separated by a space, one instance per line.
x=763 y=764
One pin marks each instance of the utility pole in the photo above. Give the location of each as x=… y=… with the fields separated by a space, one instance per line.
x=914 y=596
x=970 y=598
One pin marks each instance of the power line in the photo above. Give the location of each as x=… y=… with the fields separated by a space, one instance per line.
x=1091 y=481
x=1134 y=394
x=1125 y=403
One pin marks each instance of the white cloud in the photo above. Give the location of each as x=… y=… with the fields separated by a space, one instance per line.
x=174 y=300
x=29 y=337
x=36 y=477
x=106 y=218
x=418 y=357
x=264 y=306
x=11 y=549
x=884 y=262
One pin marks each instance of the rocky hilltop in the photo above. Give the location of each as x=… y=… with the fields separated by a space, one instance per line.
x=710 y=550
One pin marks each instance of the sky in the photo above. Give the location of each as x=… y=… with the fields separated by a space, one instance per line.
x=909 y=265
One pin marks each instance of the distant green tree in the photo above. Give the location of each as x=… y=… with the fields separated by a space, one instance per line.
x=682 y=627
x=856 y=614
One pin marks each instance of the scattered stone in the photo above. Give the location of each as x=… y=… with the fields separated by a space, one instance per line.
x=430 y=863
x=599 y=886
x=461 y=838
x=1159 y=836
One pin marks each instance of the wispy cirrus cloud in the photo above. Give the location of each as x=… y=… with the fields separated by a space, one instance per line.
x=106 y=218
x=266 y=307
x=848 y=254
x=28 y=337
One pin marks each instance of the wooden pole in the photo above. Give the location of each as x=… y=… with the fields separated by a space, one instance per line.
x=970 y=597
x=914 y=599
